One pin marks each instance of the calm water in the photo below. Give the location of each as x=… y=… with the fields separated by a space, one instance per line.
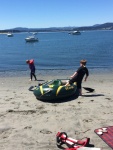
x=57 y=51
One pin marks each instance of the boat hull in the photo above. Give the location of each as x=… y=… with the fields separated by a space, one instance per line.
x=31 y=40
x=10 y=35
x=75 y=33
x=54 y=89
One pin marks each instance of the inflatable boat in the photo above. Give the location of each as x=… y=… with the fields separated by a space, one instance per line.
x=54 y=89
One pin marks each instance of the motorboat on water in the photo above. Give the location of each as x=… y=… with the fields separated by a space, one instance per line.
x=31 y=39
x=10 y=34
x=75 y=32
x=54 y=90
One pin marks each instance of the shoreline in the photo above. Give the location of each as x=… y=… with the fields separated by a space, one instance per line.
x=52 y=72
x=33 y=124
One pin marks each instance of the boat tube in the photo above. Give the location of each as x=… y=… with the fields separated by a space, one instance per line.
x=54 y=89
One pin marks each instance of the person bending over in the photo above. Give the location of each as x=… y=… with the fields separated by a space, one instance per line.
x=79 y=75
x=32 y=68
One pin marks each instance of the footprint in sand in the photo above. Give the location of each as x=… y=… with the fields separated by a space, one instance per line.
x=45 y=131
x=8 y=99
x=28 y=127
x=87 y=120
x=5 y=132
x=80 y=102
x=40 y=107
x=43 y=112
x=92 y=100
x=108 y=98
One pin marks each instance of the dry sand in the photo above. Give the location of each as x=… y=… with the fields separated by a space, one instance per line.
x=29 y=124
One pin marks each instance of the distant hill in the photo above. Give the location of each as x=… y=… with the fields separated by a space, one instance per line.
x=43 y=29
x=105 y=26
x=96 y=25
x=20 y=29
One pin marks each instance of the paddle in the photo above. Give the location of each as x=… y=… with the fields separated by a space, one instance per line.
x=32 y=88
x=89 y=89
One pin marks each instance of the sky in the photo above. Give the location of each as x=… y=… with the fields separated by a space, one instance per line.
x=54 y=13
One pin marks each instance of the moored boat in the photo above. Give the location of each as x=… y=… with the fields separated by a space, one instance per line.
x=75 y=32
x=31 y=39
x=10 y=34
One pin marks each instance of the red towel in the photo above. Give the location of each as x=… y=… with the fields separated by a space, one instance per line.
x=107 y=137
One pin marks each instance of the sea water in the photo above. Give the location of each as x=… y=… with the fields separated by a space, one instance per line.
x=57 y=51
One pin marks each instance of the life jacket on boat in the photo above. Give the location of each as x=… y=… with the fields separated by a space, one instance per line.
x=62 y=138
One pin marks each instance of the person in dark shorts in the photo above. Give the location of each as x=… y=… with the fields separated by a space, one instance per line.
x=32 y=68
x=79 y=75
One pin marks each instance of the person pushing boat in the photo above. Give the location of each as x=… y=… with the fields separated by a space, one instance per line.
x=79 y=75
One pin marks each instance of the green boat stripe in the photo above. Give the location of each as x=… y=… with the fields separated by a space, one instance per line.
x=41 y=90
x=58 y=90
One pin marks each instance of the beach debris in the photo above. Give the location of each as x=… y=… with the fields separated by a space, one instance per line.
x=28 y=127
x=24 y=112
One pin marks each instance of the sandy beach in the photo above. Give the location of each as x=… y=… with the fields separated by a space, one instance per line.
x=30 y=124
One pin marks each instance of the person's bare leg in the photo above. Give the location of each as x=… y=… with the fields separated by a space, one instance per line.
x=80 y=92
x=67 y=84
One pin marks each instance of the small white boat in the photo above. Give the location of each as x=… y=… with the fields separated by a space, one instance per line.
x=75 y=33
x=9 y=34
x=31 y=39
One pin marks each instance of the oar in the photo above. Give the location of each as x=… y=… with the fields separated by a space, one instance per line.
x=89 y=89
x=32 y=88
